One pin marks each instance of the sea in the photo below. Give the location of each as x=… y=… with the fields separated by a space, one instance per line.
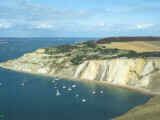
x=33 y=97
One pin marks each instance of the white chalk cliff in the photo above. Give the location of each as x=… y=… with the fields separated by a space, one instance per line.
x=138 y=73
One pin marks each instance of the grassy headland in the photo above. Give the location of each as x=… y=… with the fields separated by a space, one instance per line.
x=93 y=50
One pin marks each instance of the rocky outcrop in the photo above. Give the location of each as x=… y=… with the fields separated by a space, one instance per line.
x=135 y=73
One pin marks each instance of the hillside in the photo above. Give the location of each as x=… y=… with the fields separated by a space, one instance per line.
x=138 y=44
x=95 y=61
x=128 y=39
x=149 y=111
x=133 y=65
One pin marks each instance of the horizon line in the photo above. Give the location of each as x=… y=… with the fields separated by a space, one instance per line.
x=88 y=37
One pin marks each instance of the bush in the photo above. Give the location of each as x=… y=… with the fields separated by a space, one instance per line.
x=91 y=44
x=92 y=57
x=78 y=59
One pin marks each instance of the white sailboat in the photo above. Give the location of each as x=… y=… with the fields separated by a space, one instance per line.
x=77 y=95
x=64 y=87
x=74 y=86
x=69 y=89
x=53 y=81
x=84 y=100
x=22 y=84
x=58 y=93
x=101 y=91
x=93 y=92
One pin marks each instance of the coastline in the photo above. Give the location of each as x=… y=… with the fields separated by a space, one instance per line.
x=104 y=83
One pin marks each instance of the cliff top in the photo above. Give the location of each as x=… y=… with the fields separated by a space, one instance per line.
x=128 y=39
x=138 y=44
x=95 y=50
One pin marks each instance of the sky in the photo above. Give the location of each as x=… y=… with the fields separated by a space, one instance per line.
x=79 y=18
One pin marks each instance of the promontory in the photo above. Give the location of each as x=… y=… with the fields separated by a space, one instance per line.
x=131 y=62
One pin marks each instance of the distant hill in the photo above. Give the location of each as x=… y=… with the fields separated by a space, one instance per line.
x=138 y=44
x=127 y=39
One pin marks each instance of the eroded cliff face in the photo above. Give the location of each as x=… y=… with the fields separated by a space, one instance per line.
x=138 y=73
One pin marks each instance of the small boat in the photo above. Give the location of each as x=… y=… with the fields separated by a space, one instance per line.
x=101 y=91
x=64 y=87
x=22 y=84
x=93 y=92
x=84 y=100
x=53 y=81
x=77 y=95
x=0 y=84
x=58 y=93
x=74 y=86
x=69 y=89
x=56 y=79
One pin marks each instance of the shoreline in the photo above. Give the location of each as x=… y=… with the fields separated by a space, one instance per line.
x=105 y=83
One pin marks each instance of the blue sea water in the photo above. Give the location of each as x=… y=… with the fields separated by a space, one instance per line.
x=33 y=97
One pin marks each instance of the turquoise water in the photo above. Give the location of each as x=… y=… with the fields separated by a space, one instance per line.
x=32 y=97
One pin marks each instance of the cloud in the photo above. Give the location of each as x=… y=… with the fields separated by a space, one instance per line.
x=5 y=25
x=23 y=15
x=101 y=24
x=144 y=26
x=43 y=26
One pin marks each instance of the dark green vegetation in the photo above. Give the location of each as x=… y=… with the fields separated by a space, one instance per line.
x=60 y=49
x=90 y=50
x=149 y=111
x=1 y=116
